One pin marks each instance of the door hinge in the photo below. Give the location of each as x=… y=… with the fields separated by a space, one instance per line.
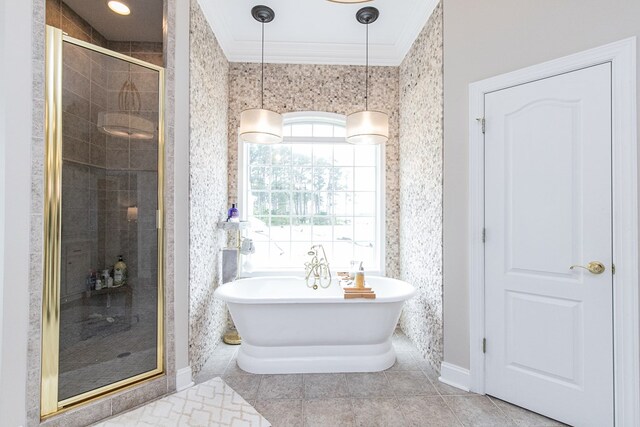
x=484 y=345
x=484 y=235
x=613 y=269
x=158 y=220
x=483 y=123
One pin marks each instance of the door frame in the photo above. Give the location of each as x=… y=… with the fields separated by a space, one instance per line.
x=626 y=318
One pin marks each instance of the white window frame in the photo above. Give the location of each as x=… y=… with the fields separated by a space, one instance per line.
x=327 y=118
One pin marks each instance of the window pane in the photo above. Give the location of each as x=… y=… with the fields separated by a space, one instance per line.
x=280 y=229
x=280 y=203
x=301 y=129
x=322 y=229
x=302 y=203
x=365 y=155
x=302 y=154
x=343 y=230
x=365 y=229
x=343 y=155
x=323 y=154
x=322 y=130
x=321 y=178
x=339 y=131
x=323 y=203
x=341 y=255
x=286 y=130
x=259 y=154
x=343 y=204
x=365 y=252
x=280 y=253
x=281 y=178
x=260 y=202
x=342 y=179
x=365 y=204
x=259 y=178
x=302 y=179
x=299 y=254
x=281 y=155
x=301 y=229
x=365 y=179
x=259 y=228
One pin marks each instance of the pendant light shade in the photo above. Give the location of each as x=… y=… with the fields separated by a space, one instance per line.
x=259 y=125
x=367 y=127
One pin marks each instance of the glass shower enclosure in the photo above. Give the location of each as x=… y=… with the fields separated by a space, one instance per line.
x=103 y=287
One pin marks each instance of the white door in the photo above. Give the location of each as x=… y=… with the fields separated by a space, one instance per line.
x=549 y=328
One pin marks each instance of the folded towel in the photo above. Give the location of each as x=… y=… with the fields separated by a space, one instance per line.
x=229 y=265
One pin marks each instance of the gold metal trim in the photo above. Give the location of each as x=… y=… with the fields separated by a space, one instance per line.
x=111 y=53
x=52 y=222
x=50 y=405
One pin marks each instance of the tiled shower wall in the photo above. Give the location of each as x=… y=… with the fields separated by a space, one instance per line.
x=56 y=13
x=329 y=88
x=421 y=146
x=209 y=89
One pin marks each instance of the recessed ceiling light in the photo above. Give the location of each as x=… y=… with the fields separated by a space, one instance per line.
x=119 y=7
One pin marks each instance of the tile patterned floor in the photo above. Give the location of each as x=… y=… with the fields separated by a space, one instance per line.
x=211 y=403
x=407 y=394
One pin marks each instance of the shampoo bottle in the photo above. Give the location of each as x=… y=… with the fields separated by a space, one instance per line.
x=119 y=272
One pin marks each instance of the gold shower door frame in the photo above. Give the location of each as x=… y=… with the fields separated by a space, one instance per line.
x=49 y=403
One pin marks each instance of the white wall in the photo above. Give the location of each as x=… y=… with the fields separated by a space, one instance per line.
x=3 y=83
x=181 y=186
x=483 y=39
x=15 y=36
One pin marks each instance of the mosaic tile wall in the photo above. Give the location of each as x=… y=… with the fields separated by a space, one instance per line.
x=328 y=88
x=421 y=145
x=209 y=89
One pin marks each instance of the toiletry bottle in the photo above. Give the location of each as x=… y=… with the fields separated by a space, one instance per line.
x=233 y=214
x=119 y=272
x=360 y=277
x=105 y=278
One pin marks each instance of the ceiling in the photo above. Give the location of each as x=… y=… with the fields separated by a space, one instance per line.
x=144 y=24
x=317 y=31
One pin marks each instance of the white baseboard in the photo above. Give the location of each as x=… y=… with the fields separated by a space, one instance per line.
x=455 y=376
x=183 y=378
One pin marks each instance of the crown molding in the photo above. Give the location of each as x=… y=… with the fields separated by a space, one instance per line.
x=411 y=32
x=313 y=53
x=318 y=53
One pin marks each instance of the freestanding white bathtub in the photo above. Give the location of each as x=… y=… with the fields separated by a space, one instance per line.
x=287 y=327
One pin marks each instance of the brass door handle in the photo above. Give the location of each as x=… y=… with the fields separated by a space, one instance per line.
x=594 y=267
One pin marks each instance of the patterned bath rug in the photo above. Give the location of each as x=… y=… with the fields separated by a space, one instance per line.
x=212 y=403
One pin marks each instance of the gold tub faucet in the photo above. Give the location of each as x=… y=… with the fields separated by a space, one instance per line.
x=318 y=267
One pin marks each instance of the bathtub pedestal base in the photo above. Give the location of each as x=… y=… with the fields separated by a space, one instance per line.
x=316 y=359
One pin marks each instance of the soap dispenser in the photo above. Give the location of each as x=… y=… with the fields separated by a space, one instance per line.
x=360 y=277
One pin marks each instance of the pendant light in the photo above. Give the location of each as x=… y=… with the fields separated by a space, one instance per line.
x=367 y=126
x=258 y=125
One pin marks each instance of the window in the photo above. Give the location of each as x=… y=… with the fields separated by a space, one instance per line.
x=314 y=188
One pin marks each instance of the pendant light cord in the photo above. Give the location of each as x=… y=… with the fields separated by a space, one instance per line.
x=262 y=71
x=366 y=85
